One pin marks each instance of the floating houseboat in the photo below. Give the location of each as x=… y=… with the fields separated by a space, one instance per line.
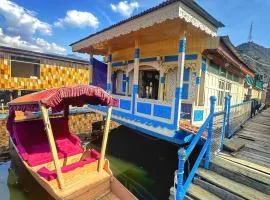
x=53 y=155
x=164 y=64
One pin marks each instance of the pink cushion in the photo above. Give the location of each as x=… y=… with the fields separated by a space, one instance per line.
x=51 y=174
x=33 y=144
x=40 y=154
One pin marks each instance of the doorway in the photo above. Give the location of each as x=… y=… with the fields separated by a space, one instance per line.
x=148 y=84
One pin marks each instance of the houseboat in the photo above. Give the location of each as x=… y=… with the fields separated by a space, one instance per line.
x=53 y=155
x=164 y=64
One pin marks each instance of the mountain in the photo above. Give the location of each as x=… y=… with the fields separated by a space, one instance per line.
x=256 y=56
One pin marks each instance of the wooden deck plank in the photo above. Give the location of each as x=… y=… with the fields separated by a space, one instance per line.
x=246 y=163
x=197 y=192
x=236 y=188
x=256 y=136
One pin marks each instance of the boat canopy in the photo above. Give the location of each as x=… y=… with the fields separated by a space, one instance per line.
x=59 y=98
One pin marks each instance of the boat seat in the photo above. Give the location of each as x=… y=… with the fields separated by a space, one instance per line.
x=51 y=174
x=33 y=145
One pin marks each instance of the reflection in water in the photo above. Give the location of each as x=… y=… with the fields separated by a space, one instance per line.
x=144 y=165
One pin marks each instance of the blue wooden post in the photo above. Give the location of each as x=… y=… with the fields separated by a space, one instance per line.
x=179 y=82
x=135 y=76
x=180 y=174
x=109 y=73
x=224 y=126
x=210 y=131
x=228 y=117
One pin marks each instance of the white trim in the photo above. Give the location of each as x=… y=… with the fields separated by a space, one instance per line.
x=170 y=12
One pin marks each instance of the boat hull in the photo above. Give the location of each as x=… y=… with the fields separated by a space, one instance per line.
x=103 y=186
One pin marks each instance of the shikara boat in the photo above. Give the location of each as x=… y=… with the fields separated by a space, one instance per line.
x=53 y=155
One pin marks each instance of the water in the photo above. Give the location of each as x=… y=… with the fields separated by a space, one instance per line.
x=144 y=165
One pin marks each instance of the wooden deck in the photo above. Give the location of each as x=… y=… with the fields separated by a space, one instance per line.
x=244 y=171
x=255 y=138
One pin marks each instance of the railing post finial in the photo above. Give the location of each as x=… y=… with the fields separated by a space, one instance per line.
x=180 y=174
x=210 y=130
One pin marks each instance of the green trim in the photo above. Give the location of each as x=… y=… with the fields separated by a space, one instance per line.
x=249 y=80
x=259 y=84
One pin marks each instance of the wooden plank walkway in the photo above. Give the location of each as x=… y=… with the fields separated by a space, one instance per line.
x=244 y=171
x=255 y=136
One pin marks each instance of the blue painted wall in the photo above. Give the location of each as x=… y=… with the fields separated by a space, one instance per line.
x=186 y=74
x=144 y=108
x=198 y=115
x=125 y=104
x=185 y=91
x=162 y=111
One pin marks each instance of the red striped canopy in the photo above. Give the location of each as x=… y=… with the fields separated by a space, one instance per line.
x=59 y=98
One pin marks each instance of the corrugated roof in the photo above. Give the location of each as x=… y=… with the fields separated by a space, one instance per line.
x=189 y=3
x=41 y=55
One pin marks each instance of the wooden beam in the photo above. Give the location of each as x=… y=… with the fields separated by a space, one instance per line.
x=45 y=116
x=105 y=139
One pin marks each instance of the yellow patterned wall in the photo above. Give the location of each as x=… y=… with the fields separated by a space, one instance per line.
x=50 y=76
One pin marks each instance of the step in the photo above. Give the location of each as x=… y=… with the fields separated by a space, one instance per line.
x=243 y=174
x=172 y=195
x=198 y=193
x=219 y=192
x=231 y=186
x=246 y=163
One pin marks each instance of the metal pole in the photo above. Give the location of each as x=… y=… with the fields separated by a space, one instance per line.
x=105 y=139
x=180 y=174
x=224 y=122
x=210 y=131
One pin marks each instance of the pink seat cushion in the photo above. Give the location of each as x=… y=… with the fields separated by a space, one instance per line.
x=51 y=174
x=33 y=143
x=40 y=154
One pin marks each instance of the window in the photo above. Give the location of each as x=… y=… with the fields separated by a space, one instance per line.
x=25 y=67
x=148 y=84
x=224 y=89
x=119 y=80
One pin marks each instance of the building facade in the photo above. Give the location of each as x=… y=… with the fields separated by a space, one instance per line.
x=23 y=72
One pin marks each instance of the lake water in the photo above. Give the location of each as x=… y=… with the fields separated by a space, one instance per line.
x=144 y=165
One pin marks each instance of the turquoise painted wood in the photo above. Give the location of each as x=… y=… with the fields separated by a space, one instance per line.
x=183 y=154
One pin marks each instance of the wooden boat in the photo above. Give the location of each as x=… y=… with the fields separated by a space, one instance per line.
x=53 y=155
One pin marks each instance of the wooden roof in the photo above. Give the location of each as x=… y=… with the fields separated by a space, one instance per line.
x=226 y=56
x=190 y=3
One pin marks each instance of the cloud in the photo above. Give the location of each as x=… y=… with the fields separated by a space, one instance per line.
x=37 y=44
x=124 y=8
x=75 y=18
x=20 y=26
x=19 y=20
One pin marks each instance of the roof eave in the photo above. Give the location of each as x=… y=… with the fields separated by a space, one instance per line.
x=191 y=4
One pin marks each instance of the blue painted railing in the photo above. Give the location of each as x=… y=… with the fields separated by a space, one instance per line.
x=183 y=154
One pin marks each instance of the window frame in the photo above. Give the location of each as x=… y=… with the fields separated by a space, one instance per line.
x=21 y=61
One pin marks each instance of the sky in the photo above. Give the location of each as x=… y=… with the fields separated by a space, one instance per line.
x=51 y=25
